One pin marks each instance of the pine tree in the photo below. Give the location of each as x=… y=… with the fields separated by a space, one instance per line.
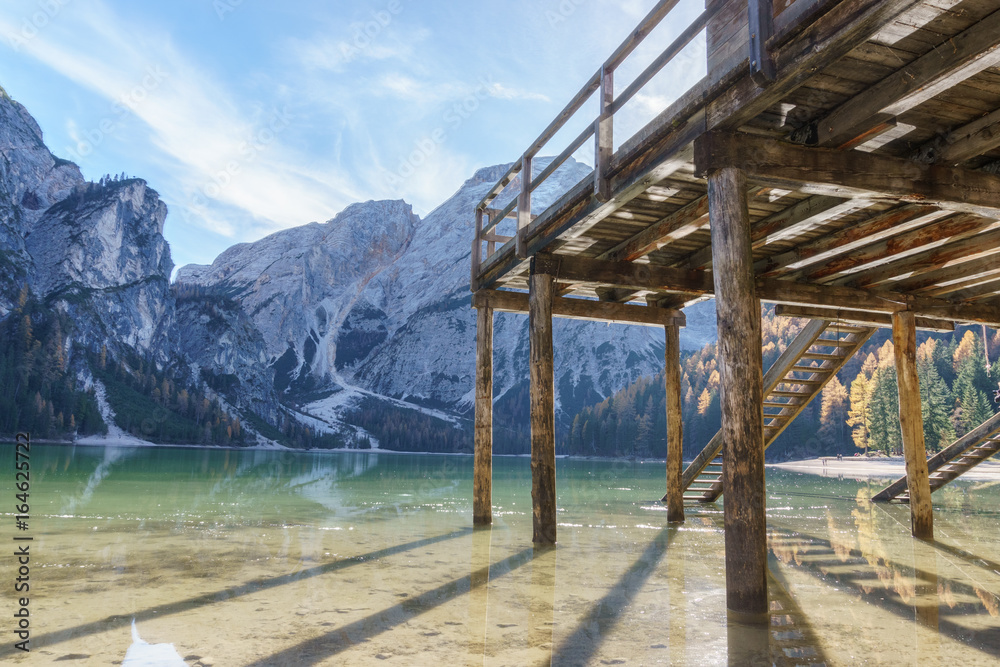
x=935 y=403
x=885 y=431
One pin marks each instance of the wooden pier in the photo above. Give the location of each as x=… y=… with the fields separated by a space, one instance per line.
x=841 y=158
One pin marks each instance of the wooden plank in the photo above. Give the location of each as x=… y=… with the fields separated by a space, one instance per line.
x=928 y=236
x=954 y=61
x=882 y=320
x=582 y=309
x=904 y=340
x=828 y=296
x=543 y=428
x=676 y=225
x=675 y=426
x=972 y=293
x=944 y=456
x=980 y=136
x=646 y=277
x=962 y=271
x=741 y=375
x=928 y=260
x=875 y=228
x=523 y=206
x=780 y=163
x=801 y=215
x=482 y=491
x=833 y=35
x=628 y=275
x=604 y=136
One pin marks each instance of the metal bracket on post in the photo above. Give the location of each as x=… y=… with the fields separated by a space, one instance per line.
x=523 y=207
x=604 y=136
x=761 y=17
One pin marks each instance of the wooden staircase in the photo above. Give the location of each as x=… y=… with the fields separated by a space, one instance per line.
x=953 y=461
x=796 y=377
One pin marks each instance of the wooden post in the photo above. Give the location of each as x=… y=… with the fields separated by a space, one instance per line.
x=543 y=428
x=675 y=427
x=482 y=484
x=523 y=207
x=741 y=375
x=477 y=251
x=604 y=136
x=904 y=340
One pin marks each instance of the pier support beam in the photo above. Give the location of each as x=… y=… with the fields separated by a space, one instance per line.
x=904 y=340
x=675 y=432
x=482 y=483
x=543 y=426
x=741 y=375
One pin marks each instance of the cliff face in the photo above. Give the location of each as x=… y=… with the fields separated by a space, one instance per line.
x=372 y=305
x=93 y=256
x=375 y=303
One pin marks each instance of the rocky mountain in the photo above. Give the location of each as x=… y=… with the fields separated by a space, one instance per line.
x=359 y=328
x=374 y=305
x=85 y=292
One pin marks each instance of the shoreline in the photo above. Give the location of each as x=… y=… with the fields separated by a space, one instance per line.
x=861 y=467
x=824 y=466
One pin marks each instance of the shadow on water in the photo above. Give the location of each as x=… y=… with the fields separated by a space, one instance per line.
x=973 y=559
x=583 y=643
x=255 y=586
x=320 y=648
x=910 y=592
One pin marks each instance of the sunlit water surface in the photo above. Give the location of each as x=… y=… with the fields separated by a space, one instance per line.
x=277 y=558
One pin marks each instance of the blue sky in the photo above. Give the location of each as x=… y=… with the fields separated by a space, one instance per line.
x=250 y=116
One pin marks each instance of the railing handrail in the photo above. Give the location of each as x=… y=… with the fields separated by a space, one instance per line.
x=600 y=128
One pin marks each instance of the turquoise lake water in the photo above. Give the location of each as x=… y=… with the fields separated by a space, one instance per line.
x=284 y=558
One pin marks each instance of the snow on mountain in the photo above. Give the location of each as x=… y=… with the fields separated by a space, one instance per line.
x=376 y=301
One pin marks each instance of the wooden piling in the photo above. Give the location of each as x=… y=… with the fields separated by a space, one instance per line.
x=904 y=339
x=675 y=427
x=543 y=432
x=482 y=484
x=741 y=375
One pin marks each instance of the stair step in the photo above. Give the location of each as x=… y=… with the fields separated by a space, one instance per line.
x=835 y=343
x=783 y=392
x=787 y=380
x=822 y=356
x=810 y=369
x=771 y=404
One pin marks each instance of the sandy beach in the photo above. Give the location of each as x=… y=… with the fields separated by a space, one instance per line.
x=893 y=466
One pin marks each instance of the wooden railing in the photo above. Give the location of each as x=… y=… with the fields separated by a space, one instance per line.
x=601 y=129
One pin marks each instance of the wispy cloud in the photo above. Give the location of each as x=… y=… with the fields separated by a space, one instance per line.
x=230 y=153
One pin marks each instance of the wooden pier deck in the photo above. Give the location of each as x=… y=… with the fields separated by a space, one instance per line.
x=840 y=158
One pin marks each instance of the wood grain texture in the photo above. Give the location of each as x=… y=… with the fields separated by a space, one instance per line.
x=482 y=483
x=904 y=339
x=582 y=309
x=779 y=163
x=675 y=426
x=954 y=61
x=543 y=427
x=741 y=376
